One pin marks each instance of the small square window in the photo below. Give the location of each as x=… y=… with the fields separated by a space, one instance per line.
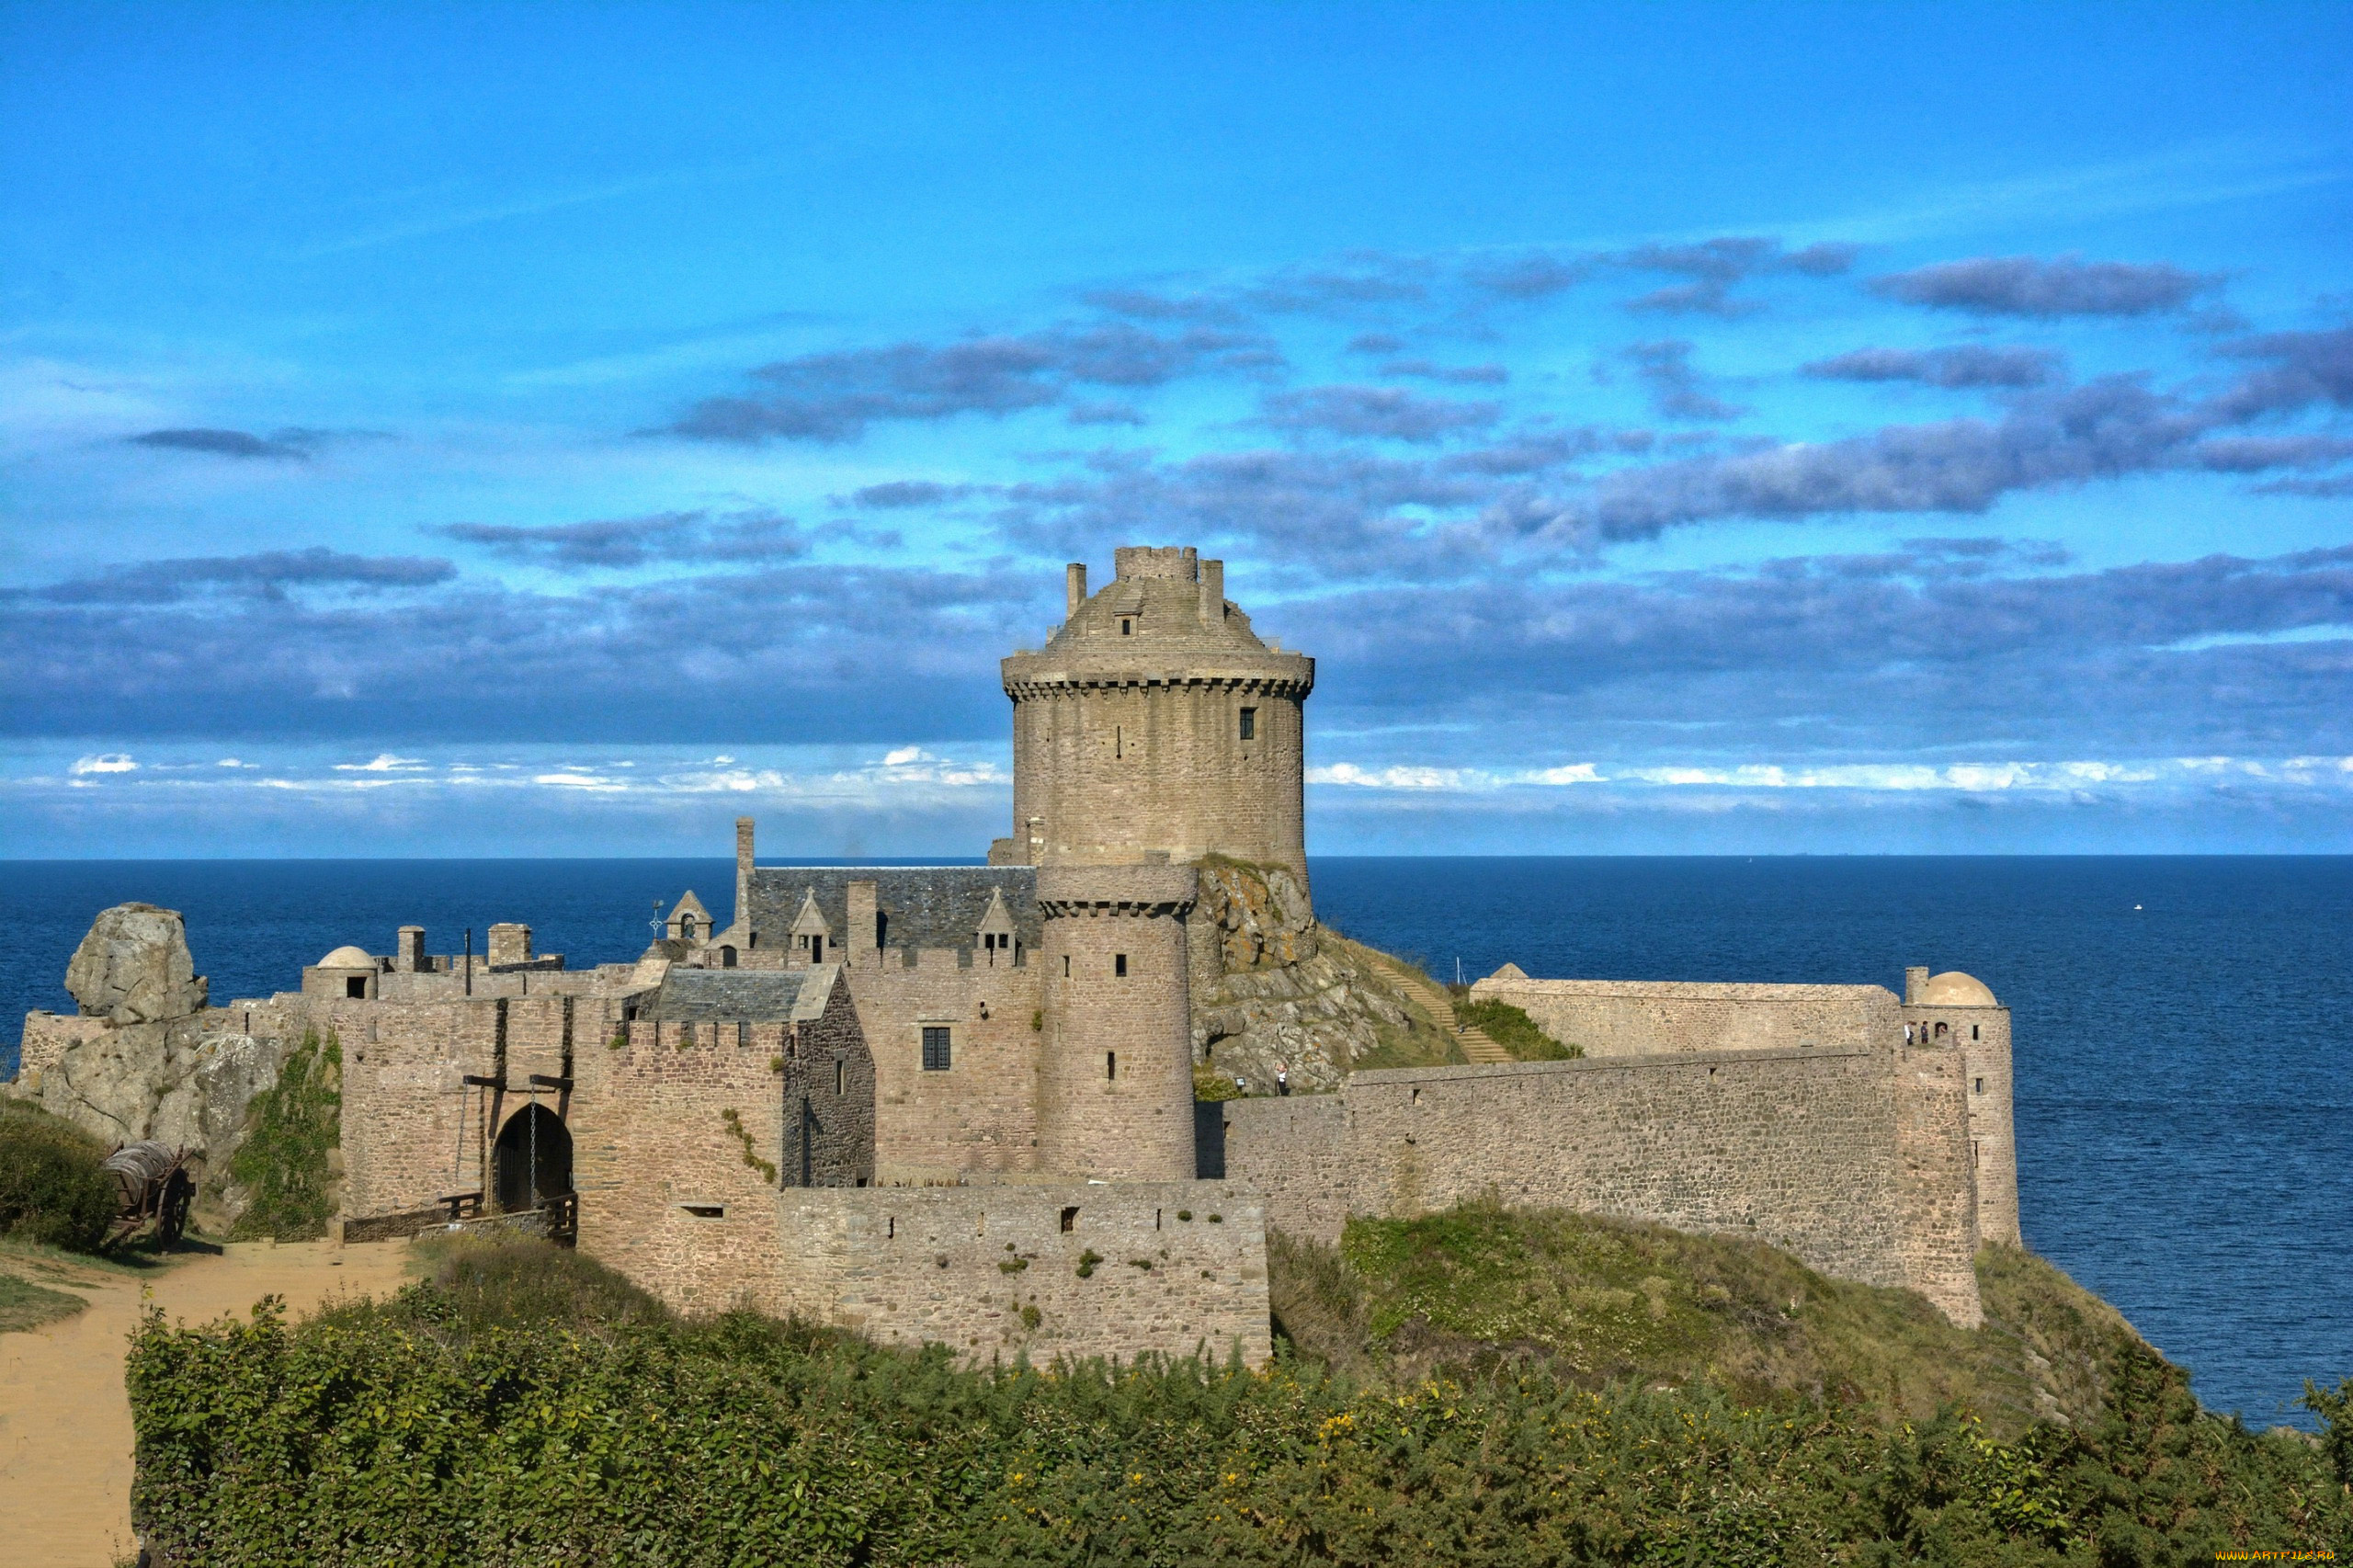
x=934 y=1049
x=1127 y=627
x=1981 y=1085
x=1250 y=723
x=1120 y=964
x=354 y=986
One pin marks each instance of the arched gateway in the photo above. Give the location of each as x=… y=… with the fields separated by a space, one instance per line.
x=532 y=1160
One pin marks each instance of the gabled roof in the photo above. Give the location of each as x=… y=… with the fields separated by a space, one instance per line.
x=740 y=995
x=923 y=906
x=688 y=904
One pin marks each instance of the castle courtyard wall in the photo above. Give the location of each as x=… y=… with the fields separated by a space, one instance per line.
x=1813 y=1151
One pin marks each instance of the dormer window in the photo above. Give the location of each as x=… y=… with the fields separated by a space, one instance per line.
x=1127 y=626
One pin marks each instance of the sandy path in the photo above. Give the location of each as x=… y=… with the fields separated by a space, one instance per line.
x=65 y=1421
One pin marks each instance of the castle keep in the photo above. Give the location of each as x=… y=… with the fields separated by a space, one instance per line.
x=957 y=1104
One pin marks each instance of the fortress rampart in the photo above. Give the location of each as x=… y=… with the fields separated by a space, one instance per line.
x=1804 y=1149
x=1642 y=1018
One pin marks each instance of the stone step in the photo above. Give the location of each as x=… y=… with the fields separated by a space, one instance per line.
x=1478 y=1046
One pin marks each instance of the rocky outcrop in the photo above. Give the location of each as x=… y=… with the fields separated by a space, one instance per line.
x=145 y=1060
x=1272 y=988
x=134 y=968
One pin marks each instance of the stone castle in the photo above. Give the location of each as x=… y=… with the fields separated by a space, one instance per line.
x=959 y=1104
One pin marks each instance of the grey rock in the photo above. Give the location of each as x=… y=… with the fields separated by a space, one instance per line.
x=134 y=968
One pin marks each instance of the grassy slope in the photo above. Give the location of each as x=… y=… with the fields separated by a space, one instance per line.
x=1428 y=1042
x=24 y=1304
x=1615 y=1301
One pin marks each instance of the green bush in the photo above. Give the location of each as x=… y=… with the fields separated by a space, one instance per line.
x=285 y=1162
x=429 y=1431
x=51 y=1190
x=1512 y=1028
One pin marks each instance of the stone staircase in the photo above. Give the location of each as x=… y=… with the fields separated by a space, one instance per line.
x=1478 y=1046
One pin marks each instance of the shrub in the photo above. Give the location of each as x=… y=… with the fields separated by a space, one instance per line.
x=410 y=1434
x=1512 y=1028
x=51 y=1188
x=286 y=1161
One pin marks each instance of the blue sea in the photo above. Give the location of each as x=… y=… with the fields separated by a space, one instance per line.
x=2185 y=1111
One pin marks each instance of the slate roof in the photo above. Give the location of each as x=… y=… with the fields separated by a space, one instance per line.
x=926 y=906
x=740 y=995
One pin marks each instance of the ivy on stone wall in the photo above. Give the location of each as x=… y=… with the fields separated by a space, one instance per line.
x=286 y=1163
x=743 y=1136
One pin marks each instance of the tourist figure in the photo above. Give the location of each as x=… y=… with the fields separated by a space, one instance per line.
x=1282 y=1079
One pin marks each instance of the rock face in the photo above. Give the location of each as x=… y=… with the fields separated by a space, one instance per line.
x=145 y=1060
x=133 y=967
x=1273 y=988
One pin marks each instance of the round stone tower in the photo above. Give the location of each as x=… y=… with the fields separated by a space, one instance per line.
x=1155 y=726
x=1115 y=1069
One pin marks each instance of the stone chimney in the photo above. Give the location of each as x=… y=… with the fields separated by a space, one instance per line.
x=860 y=939
x=510 y=942
x=408 y=950
x=1073 y=587
x=1212 y=593
x=743 y=871
x=1915 y=977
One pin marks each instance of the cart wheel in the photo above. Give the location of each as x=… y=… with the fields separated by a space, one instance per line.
x=171 y=1221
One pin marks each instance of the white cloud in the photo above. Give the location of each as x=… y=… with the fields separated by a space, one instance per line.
x=385 y=762
x=904 y=756
x=103 y=762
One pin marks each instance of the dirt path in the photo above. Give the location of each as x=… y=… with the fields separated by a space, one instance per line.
x=65 y=1421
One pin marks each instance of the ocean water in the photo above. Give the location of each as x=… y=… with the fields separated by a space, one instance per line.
x=2184 y=1025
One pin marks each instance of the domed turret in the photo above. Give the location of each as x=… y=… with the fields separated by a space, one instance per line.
x=347 y=956
x=1954 y=989
x=1154 y=726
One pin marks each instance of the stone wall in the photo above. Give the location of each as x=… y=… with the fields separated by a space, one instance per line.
x=667 y=1195
x=1815 y=1151
x=47 y=1037
x=959 y=1266
x=413 y=1131
x=1626 y=1018
x=980 y=1113
x=828 y=1093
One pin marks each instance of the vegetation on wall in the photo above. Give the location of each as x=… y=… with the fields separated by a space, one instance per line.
x=53 y=1192
x=743 y=1134
x=286 y=1164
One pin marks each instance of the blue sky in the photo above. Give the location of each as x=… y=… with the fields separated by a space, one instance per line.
x=508 y=430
